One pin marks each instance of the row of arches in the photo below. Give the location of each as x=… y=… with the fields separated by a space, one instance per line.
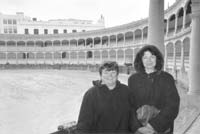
x=177 y=55
x=179 y=20
x=120 y=38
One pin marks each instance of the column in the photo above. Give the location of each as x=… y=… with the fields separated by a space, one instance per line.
x=123 y=39
x=53 y=57
x=69 y=57
x=61 y=58
x=101 y=56
x=165 y=58
x=93 y=57
x=35 y=57
x=26 y=57
x=108 y=54
x=184 y=17
x=16 y=54
x=116 y=55
x=176 y=24
x=142 y=38
x=92 y=42
x=101 y=42
x=174 y=62
x=182 y=59
x=77 y=57
x=69 y=45
x=124 y=56
x=156 y=24
x=86 y=57
x=194 y=66
x=109 y=41
x=134 y=54
x=116 y=41
x=167 y=27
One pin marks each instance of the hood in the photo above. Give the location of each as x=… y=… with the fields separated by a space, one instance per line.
x=97 y=83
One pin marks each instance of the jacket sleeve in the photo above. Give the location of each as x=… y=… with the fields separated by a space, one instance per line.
x=169 y=112
x=85 y=119
x=134 y=122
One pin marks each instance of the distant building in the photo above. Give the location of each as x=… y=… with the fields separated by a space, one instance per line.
x=20 y=24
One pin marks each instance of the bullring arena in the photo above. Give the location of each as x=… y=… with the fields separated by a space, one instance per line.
x=87 y=49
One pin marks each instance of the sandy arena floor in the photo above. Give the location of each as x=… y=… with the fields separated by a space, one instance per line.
x=37 y=101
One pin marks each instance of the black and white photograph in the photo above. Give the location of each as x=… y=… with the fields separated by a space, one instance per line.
x=100 y=67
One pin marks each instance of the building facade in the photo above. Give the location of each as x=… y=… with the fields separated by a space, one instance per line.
x=21 y=24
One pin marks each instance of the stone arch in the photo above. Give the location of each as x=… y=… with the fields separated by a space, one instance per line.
x=97 y=55
x=129 y=55
x=120 y=54
x=21 y=44
x=56 y=43
x=48 y=55
x=104 y=55
x=30 y=44
x=112 y=54
x=57 y=55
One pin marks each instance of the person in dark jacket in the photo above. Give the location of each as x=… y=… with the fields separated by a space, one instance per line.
x=156 y=97
x=106 y=106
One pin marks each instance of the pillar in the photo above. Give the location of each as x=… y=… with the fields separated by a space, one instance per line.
x=167 y=27
x=156 y=24
x=174 y=62
x=182 y=59
x=184 y=17
x=101 y=56
x=176 y=23
x=194 y=66
x=124 y=60
x=165 y=58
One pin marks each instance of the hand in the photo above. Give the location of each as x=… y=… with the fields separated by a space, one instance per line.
x=146 y=130
x=150 y=127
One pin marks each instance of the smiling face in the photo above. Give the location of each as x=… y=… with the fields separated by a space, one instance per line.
x=109 y=77
x=149 y=61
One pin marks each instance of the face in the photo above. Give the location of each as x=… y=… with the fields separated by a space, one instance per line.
x=109 y=77
x=149 y=60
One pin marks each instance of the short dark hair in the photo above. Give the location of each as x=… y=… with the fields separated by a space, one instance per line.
x=109 y=66
x=138 y=64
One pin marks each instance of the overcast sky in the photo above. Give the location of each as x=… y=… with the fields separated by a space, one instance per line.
x=115 y=12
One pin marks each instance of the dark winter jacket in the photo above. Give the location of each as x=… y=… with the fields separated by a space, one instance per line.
x=156 y=89
x=105 y=110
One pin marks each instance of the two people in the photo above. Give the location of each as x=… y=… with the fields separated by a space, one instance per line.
x=148 y=105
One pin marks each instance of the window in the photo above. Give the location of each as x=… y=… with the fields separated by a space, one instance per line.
x=45 y=31
x=5 y=21
x=65 y=31
x=89 y=54
x=55 y=31
x=5 y=30
x=10 y=30
x=9 y=21
x=14 y=22
x=15 y=30
x=74 y=31
x=26 y=31
x=36 y=31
